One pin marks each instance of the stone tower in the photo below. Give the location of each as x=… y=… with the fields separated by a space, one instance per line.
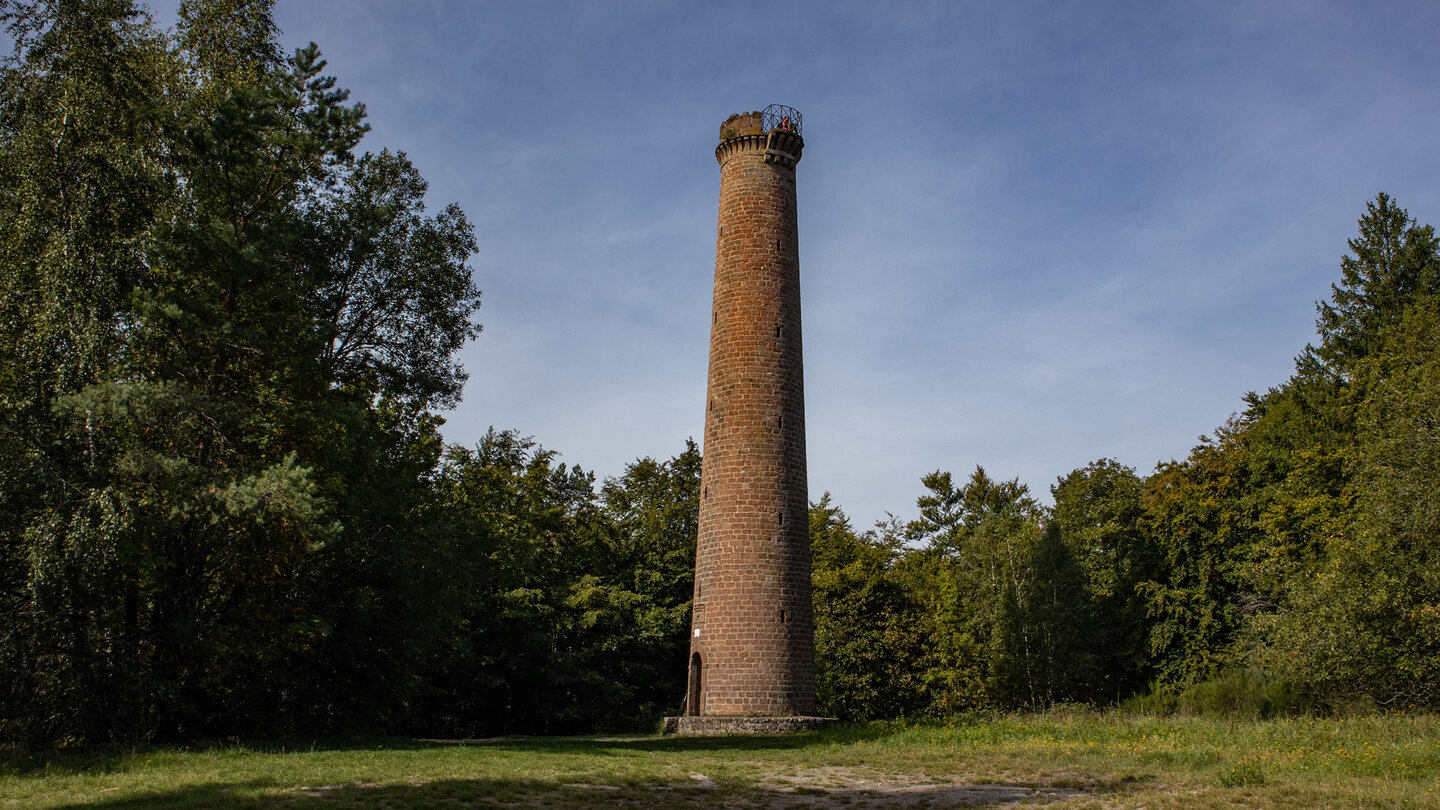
x=752 y=648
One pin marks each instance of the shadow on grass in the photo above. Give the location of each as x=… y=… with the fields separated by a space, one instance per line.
x=100 y=760
x=61 y=762
x=510 y=793
x=661 y=744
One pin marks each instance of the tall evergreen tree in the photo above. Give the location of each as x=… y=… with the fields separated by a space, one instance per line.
x=1392 y=261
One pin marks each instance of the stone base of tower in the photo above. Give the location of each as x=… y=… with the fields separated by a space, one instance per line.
x=715 y=726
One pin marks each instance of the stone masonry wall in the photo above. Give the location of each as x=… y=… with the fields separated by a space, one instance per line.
x=752 y=625
x=740 y=124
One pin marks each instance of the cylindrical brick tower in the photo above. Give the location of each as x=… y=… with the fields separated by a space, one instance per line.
x=752 y=647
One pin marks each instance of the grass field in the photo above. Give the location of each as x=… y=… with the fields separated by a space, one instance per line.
x=1070 y=759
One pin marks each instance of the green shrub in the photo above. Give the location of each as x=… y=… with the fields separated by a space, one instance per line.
x=1245 y=773
x=1155 y=703
x=1245 y=693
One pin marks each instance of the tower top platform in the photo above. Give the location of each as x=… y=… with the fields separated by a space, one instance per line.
x=776 y=116
x=773 y=132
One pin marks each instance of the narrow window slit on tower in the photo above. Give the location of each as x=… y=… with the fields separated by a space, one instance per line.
x=780 y=518
x=780 y=421
x=777 y=244
x=782 y=617
x=777 y=331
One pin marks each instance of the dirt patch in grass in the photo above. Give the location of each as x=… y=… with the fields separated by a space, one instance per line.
x=847 y=787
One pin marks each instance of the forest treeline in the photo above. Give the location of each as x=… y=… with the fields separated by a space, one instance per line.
x=226 y=507
x=1289 y=562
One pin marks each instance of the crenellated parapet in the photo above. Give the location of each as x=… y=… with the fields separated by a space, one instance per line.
x=779 y=146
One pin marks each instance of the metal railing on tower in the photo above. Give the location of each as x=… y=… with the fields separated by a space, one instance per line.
x=778 y=116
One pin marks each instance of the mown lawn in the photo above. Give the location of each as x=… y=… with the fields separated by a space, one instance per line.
x=1063 y=759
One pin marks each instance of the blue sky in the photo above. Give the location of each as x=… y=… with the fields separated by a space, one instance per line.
x=1032 y=234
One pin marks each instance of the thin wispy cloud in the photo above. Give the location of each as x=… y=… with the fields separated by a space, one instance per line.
x=1032 y=234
